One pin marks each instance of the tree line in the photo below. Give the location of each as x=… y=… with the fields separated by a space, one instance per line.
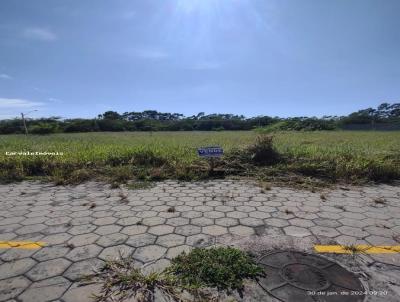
x=152 y=120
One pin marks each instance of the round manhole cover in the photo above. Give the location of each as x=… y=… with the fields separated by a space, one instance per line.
x=296 y=277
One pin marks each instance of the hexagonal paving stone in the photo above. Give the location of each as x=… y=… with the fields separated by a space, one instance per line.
x=15 y=268
x=170 y=240
x=191 y=214
x=202 y=221
x=276 y=222
x=327 y=222
x=83 y=268
x=82 y=229
x=33 y=220
x=83 y=239
x=224 y=209
x=349 y=240
x=226 y=222
x=304 y=223
x=56 y=238
x=161 y=229
x=355 y=232
x=105 y=221
x=46 y=290
x=11 y=220
x=111 y=239
x=81 y=293
x=141 y=240
x=50 y=252
x=47 y=269
x=151 y=221
x=379 y=240
x=176 y=251
x=131 y=220
x=188 y=230
x=146 y=214
x=214 y=230
x=134 y=230
x=324 y=231
x=58 y=220
x=296 y=231
x=116 y=252
x=214 y=214
x=108 y=229
x=149 y=253
x=15 y=254
x=28 y=229
x=267 y=209
x=260 y=215
x=245 y=209
x=200 y=240
x=241 y=230
x=12 y=287
x=84 y=252
x=251 y=222
x=157 y=266
x=236 y=214
x=177 y=221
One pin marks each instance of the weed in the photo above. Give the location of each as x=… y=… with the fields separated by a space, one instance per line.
x=171 y=210
x=347 y=156
x=139 y=185
x=114 y=185
x=120 y=174
x=122 y=281
x=223 y=268
x=354 y=249
x=263 y=152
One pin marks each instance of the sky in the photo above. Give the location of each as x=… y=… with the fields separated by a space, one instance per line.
x=253 y=57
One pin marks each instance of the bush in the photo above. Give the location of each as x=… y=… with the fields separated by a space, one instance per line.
x=42 y=129
x=262 y=152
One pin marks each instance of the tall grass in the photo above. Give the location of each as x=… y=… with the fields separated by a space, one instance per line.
x=332 y=154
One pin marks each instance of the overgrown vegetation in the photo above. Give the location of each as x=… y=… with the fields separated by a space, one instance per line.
x=385 y=117
x=121 y=281
x=221 y=268
x=328 y=156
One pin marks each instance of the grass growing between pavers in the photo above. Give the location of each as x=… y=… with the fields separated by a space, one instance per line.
x=189 y=277
x=351 y=156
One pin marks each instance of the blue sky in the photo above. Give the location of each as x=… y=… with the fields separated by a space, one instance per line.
x=252 y=57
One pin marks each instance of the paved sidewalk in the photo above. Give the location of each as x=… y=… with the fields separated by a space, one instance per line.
x=86 y=224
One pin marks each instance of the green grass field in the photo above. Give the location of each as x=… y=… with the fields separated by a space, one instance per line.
x=332 y=154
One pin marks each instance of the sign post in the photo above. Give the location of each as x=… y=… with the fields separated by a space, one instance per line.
x=210 y=153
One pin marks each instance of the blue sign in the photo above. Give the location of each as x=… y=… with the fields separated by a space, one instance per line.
x=210 y=151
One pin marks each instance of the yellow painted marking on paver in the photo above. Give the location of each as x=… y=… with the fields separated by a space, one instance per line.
x=358 y=249
x=27 y=245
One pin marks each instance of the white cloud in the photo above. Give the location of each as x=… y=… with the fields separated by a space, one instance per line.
x=10 y=104
x=37 y=33
x=5 y=76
